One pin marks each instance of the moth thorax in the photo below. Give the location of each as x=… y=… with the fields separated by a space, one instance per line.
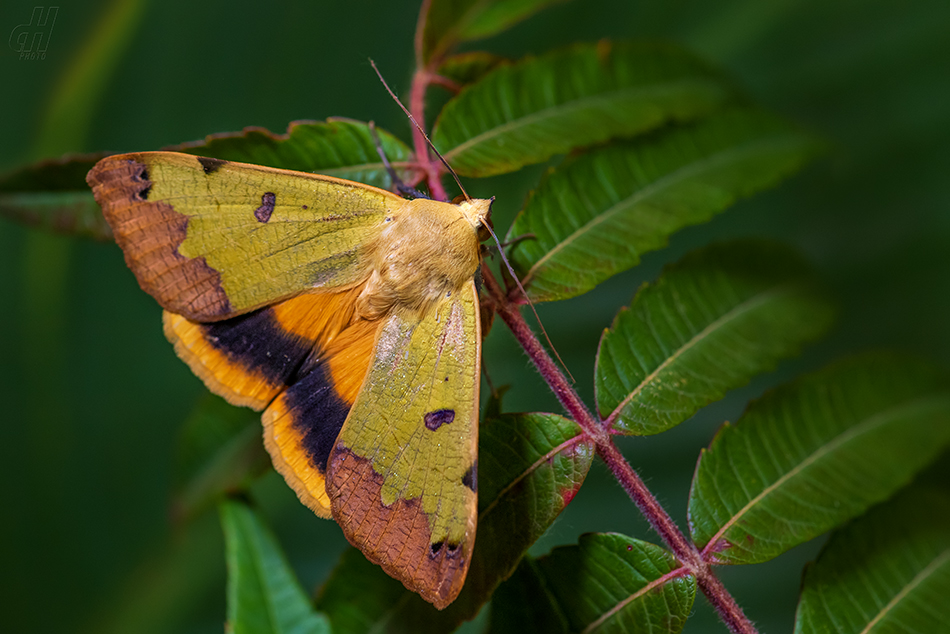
x=428 y=250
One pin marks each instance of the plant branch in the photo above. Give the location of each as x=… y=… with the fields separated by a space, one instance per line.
x=417 y=105
x=659 y=519
x=542 y=361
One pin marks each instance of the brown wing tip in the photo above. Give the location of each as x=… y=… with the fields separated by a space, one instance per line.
x=116 y=180
x=149 y=233
x=397 y=537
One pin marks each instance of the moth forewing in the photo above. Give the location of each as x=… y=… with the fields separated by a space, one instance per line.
x=212 y=239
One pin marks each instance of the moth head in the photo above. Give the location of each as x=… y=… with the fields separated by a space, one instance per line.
x=478 y=212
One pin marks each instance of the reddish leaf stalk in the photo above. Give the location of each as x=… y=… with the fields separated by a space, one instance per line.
x=659 y=519
x=417 y=105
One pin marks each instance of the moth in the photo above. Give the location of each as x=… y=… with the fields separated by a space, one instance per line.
x=348 y=315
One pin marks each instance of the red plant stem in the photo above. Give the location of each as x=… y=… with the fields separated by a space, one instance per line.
x=659 y=519
x=417 y=105
x=662 y=523
x=729 y=611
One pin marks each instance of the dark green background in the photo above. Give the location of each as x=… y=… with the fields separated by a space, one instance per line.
x=93 y=396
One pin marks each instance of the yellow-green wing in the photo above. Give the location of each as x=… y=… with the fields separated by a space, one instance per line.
x=402 y=477
x=210 y=239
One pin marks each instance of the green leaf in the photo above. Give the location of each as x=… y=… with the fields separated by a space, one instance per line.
x=497 y=15
x=531 y=465
x=449 y=22
x=219 y=453
x=343 y=148
x=711 y=322
x=596 y=214
x=607 y=583
x=466 y=68
x=526 y=112
x=812 y=454
x=53 y=195
x=889 y=571
x=264 y=596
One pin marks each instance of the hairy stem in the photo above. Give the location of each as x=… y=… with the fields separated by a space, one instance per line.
x=659 y=519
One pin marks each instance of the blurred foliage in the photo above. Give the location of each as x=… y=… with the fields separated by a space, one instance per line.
x=95 y=398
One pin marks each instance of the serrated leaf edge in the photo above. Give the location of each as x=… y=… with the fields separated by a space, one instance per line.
x=646 y=192
x=733 y=313
x=852 y=432
x=283 y=137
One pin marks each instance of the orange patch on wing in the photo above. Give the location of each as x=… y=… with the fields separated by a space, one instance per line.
x=348 y=357
x=317 y=316
x=252 y=358
x=222 y=375
x=303 y=422
x=285 y=444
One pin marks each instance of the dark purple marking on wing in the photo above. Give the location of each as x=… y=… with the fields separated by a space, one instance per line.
x=439 y=417
x=470 y=479
x=211 y=165
x=142 y=177
x=264 y=212
x=452 y=549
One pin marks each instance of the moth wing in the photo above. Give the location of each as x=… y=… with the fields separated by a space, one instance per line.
x=252 y=358
x=402 y=477
x=304 y=359
x=303 y=422
x=211 y=239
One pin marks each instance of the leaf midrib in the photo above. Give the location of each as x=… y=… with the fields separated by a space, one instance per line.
x=567 y=107
x=712 y=161
x=356 y=167
x=734 y=313
x=531 y=469
x=868 y=425
x=919 y=578
x=609 y=614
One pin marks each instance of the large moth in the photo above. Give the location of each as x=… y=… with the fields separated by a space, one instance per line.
x=348 y=315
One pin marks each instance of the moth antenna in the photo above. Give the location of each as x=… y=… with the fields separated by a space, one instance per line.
x=528 y=299
x=421 y=131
